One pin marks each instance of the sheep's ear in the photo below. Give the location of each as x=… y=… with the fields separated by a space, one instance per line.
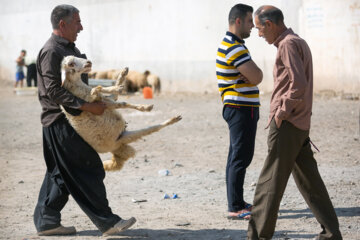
x=63 y=76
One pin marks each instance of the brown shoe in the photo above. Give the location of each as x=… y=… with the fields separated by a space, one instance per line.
x=58 y=231
x=120 y=226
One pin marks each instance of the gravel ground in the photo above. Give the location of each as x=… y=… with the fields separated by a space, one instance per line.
x=194 y=151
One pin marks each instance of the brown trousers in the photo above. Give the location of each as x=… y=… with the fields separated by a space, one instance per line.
x=290 y=152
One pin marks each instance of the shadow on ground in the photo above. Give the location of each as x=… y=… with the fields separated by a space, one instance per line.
x=173 y=234
x=213 y=234
x=186 y=234
x=300 y=213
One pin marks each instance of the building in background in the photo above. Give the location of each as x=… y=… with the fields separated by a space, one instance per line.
x=178 y=40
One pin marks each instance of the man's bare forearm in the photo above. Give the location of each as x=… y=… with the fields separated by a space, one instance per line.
x=96 y=108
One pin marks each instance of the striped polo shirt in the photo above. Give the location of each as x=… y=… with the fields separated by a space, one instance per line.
x=234 y=92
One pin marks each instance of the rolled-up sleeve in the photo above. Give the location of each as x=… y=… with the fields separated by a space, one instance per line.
x=292 y=60
x=51 y=74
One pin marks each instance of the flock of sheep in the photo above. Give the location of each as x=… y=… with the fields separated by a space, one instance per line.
x=134 y=81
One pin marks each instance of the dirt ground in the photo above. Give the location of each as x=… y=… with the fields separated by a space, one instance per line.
x=194 y=151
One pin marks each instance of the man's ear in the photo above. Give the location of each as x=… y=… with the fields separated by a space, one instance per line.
x=268 y=23
x=238 y=21
x=61 y=24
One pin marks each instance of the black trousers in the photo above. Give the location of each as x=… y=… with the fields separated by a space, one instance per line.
x=73 y=167
x=242 y=124
x=31 y=74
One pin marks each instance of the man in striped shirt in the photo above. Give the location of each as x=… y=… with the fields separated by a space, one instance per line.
x=238 y=77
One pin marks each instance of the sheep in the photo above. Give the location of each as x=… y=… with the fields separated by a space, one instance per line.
x=106 y=132
x=135 y=81
x=106 y=74
x=154 y=81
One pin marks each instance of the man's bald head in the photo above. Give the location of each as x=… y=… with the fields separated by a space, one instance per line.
x=271 y=13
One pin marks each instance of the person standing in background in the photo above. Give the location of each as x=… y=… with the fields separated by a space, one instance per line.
x=238 y=77
x=31 y=73
x=19 y=74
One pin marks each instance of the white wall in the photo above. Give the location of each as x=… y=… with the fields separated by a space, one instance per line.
x=178 y=39
x=332 y=29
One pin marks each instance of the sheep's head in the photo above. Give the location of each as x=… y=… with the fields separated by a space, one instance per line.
x=72 y=64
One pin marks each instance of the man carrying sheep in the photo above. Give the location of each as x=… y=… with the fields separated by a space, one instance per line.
x=73 y=167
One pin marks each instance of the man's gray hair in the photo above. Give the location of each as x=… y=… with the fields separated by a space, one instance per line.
x=272 y=14
x=62 y=12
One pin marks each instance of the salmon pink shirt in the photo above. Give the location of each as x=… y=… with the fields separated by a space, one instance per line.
x=292 y=95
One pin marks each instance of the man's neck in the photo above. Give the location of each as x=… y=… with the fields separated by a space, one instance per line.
x=232 y=29
x=281 y=30
x=59 y=33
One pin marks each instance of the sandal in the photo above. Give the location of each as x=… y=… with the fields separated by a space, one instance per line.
x=240 y=215
x=248 y=206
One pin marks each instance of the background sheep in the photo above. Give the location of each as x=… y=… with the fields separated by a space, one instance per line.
x=154 y=81
x=106 y=132
x=135 y=81
x=108 y=74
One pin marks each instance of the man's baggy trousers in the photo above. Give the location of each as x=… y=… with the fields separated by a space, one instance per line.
x=73 y=167
x=290 y=153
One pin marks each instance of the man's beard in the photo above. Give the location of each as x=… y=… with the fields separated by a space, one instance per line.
x=245 y=35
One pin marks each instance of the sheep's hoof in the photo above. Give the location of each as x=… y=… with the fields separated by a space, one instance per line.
x=119 y=89
x=173 y=120
x=145 y=108
x=124 y=72
x=95 y=91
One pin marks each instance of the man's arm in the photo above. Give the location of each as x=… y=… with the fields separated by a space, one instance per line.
x=96 y=108
x=20 y=61
x=240 y=58
x=251 y=72
x=294 y=66
x=50 y=71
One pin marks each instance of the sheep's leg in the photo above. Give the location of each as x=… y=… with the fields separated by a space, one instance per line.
x=121 y=78
x=139 y=107
x=112 y=90
x=120 y=156
x=131 y=136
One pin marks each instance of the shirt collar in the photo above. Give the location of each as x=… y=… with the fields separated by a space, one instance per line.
x=282 y=36
x=230 y=34
x=63 y=41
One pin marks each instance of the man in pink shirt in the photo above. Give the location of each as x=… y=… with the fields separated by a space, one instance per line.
x=288 y=141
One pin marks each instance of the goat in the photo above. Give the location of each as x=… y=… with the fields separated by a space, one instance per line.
x=106 y=132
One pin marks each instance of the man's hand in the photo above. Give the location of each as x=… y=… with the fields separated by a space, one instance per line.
x=243 y=78
x=96 y=108
x=277 y=121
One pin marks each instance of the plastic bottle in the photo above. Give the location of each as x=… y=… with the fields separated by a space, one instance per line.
x=164 y=172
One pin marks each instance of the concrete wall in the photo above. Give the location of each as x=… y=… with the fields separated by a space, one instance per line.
x=332 y=29
x=178 y=39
